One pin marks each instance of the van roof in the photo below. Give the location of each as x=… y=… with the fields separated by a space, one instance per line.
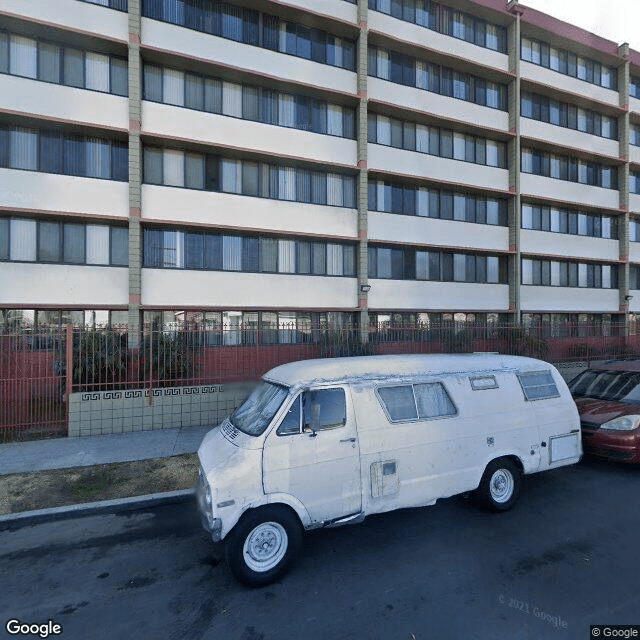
x=305 y=372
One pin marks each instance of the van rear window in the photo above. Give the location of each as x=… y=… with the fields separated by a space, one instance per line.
x=538 y=385
x=419 y=401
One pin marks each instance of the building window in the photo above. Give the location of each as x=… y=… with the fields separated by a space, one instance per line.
x=439 y=266
x=243 y=25
x=403 y=69
x=570 y=169
x=215 y=252
x=438 y=17
x=55 y=151
x=259 y=104
x=51 y=241
x=553 y=273
x=176 y=168
x=61 y=64
x=566 y=115
x=543 y=218
x=435 y=141
x=119 y=5
x=568 y=63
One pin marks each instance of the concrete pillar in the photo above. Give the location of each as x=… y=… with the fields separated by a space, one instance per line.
x=135 y=174
x=362 y=191
x=623 y=178
x=514 y=164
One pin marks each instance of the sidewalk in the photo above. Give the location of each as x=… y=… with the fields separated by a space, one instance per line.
x=62 y=453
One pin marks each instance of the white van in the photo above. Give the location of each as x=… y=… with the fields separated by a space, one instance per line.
x=322 y=443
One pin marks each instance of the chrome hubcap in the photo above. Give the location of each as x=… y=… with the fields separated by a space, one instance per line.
x=501 y=485
x=265 y=546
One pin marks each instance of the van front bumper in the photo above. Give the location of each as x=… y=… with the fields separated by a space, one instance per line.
x=205 y=507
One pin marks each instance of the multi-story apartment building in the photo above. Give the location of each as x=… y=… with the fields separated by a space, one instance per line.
x=323 y=161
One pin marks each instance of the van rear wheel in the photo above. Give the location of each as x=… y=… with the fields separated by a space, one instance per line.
x=263 y=545
x=500 y=485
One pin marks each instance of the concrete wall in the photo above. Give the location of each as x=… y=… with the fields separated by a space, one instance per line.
x=187 y=124
x=62 y=285
x=178 y=288
x=59 y=102
x=49 y=192
x=194 y=44
x=230 y=211
x=120 y=411
x=71 y=14
x=412 y=33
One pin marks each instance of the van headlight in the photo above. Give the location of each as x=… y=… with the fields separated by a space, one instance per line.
x=623 y=423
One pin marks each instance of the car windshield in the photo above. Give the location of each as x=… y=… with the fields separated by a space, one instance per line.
x=619 y=386
x=256 y=412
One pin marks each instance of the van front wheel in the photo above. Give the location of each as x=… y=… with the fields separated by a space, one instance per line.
x=263 y=545
x=500 y=485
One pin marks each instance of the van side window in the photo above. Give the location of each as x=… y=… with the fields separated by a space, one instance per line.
x=290 y=424
x=433 y=400
x=399 y=402
x=538 y=385
x=323 y=409
x=481 y=383
x=419 y=401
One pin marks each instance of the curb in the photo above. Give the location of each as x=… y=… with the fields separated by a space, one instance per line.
x=38 y=516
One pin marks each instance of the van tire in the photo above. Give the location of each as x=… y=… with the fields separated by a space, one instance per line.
x=500 y=485
x=263 y=545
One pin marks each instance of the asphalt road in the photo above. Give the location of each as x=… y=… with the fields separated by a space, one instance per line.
x=564 y=558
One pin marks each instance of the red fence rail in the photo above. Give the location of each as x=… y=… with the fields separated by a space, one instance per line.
x=40 y=366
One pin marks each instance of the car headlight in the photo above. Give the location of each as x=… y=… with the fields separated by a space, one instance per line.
x=623 y=423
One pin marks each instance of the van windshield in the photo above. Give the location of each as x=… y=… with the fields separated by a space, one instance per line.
x=256 y=412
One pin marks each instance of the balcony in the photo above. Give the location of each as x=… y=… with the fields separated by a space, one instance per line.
x=225 y=210
x=437 y=296
x=433 y=103
x=565 y=83
x=546 y=243
x=264 y=62
x=72 y=15
x=33 y=191
x=387 y=227
x=413 y=34
x=66 y=104
x=421 y=165
x=219 y=130
x=569 y=300
x=542 y=131
x=63 y=285
x=569 y=192
x=182 y=288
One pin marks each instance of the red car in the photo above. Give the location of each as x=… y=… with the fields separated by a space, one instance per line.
x=608 y=401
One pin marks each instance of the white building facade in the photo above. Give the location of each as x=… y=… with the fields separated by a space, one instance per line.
x=268 y=163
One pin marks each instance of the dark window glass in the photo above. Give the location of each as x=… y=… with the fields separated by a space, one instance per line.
x=74 y=245
x=213 y=252
x=51 y=152
x=119 y=246
x=4 y=238
x=323 y=409
x=74 y=67
x=49 y=62
x=119 y=77
x=193 y=251
x=119 y=162
x=250 y=261
x=193 y=91
x=74 y=156
x=49 y=238
x=212 y=173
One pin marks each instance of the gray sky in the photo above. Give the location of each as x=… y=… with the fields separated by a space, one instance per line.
x=617 y=20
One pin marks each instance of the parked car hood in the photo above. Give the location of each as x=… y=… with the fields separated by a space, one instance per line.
x=597 y=412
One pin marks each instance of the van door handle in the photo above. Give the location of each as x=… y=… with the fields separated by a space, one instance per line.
x=348 y=440
x=575 y=430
